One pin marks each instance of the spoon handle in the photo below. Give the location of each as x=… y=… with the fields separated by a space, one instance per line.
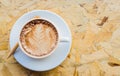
x=13 y=50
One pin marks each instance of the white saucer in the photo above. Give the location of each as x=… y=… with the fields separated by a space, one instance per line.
x=54 y=59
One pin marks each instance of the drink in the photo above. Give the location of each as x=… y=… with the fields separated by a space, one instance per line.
x=38 y=37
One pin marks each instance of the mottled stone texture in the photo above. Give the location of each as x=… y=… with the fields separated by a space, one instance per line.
x=95 y=27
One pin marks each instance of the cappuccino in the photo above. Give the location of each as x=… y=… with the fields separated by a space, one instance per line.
x=39 y=37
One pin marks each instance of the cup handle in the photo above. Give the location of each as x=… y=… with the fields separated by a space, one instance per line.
x=64 y=39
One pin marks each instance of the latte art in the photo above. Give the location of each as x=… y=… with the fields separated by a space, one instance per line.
x=39 y=37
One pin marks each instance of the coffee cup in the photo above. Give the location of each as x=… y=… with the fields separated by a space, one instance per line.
x=39 y=38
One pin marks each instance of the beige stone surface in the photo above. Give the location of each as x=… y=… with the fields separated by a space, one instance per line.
x=95 y=27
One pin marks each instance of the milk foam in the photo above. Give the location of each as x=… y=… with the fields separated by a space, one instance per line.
x=39 y=39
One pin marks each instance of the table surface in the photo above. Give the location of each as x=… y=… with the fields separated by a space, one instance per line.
x=95 y=27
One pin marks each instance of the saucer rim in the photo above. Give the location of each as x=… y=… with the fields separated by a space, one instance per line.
x=66 y=28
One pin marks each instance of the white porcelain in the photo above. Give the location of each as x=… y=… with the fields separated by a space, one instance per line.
x=60 y=39
x=61 y=51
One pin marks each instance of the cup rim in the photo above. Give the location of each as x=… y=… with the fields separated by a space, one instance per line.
x=43 y=56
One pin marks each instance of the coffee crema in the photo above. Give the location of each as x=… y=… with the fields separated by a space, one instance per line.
x=39 y=37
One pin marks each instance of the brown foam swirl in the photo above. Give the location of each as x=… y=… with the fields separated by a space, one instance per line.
x=39 y=39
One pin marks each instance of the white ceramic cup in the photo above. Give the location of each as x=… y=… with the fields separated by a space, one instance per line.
x=60 y=39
